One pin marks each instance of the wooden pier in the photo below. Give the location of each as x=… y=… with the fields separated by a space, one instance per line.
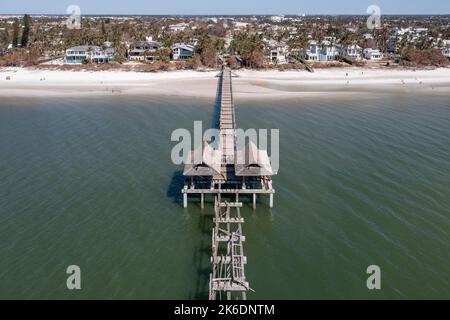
x=218 y=172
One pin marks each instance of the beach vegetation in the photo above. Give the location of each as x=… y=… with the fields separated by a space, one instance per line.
x=424 y=57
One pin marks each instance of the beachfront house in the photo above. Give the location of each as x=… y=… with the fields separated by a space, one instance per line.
x=182 y=51
x=323 y=52
x=312 y=52
x=373 y=54
x=103 y=55
x=95 y=54
x=353 y=52
x=78 y=55
x=277 y=52
x=446 y=48
x=144 y=51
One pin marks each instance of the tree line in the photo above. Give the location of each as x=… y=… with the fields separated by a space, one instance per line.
x=20 y=35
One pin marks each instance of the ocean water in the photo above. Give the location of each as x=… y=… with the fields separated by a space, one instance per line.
x=363 y=180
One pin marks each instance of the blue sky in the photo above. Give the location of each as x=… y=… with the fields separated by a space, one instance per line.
x=232 y=6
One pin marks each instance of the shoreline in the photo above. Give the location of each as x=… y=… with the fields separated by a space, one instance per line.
x=25 y=82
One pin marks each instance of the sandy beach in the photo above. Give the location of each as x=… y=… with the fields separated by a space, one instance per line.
x=249 y=84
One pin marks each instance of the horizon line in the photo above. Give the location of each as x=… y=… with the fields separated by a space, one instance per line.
x=229 y=14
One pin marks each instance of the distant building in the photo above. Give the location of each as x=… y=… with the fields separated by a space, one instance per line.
x=293 y=34
x=278 y=18
x=193 y=42
x=182 y=51
x=373 y=54
x=240 y=25
x=95 y=54
x=178 y=27
x=144 y=51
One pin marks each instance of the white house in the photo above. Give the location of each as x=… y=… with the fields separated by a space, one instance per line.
x=323 y=52
x=182 y=51
x=312 y=52
x=80 y=54
x=353 y=51
x=277 y=52
x=373 y=54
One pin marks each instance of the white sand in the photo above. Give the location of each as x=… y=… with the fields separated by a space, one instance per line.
x=249 y=84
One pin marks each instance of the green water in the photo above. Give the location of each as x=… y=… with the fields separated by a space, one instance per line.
x=362 y=180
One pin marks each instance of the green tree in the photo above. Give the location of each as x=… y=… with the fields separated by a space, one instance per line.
x=163 y=55
x=116 y=38
x=5 y=35
x=16 y=29
x=404 y=44
x=382 y=38
x=206 y=49
x=104 y=32
x=26 y=30
x=250 y=48
x=120 y=53
x=297 y=46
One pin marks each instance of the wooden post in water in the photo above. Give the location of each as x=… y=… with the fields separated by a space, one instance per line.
x=202 y=200
x=254 y=201
x=271 y=200
x=185 y=199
